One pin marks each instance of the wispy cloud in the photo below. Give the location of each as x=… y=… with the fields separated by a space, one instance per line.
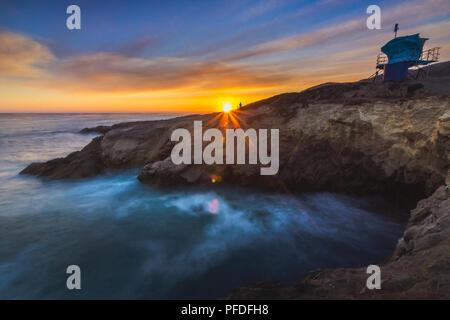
x=113 y=72
x=347 y=30
x=341 y=50
x=20 y=56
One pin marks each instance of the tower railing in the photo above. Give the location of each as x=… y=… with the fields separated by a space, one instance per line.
x=428 y=56
x=431 y=55
x=381 y=59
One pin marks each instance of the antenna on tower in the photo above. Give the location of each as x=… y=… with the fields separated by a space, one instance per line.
x=396 y=29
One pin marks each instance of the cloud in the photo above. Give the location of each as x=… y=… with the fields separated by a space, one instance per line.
x=21 y=56
x=261 y=8
x=254 y=34
x=405 y=14
x=298 y=41
x=342 y=50
x=137 y=46
x=104 y=72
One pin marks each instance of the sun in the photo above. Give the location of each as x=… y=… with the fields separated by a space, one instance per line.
x=226 y=106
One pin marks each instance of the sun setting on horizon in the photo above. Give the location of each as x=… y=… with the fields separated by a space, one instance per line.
x=196 y=151
x=120 y=68
x=226 y=106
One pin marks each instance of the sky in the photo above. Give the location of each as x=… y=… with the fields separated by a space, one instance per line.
x=190 y=56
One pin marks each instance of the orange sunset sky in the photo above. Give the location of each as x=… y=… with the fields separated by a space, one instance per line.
x=159 y=57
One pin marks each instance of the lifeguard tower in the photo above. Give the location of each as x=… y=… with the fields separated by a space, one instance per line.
x=404 y=53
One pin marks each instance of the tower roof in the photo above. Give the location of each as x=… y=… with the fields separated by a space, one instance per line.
x=406 y=48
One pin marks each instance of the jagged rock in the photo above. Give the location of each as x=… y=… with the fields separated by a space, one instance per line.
x=351 y=137
x=361 y=137
x=80 y=164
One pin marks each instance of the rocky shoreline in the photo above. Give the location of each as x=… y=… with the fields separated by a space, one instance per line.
x=418 y=269
x=355 y=138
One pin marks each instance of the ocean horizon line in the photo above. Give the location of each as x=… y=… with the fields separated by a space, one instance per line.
x=174 y=113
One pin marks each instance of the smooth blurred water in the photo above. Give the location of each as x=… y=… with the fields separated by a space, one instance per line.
x=134 y=241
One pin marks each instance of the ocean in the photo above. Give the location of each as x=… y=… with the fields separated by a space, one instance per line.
x=134 y=241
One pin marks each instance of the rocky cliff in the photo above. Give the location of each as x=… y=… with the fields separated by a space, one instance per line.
x=352 y=137
x=361 y=137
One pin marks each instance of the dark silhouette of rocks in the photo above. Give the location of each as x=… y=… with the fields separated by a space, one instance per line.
x=98 y=129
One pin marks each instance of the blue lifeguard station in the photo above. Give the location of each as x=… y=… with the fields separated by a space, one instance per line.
x=402 y=53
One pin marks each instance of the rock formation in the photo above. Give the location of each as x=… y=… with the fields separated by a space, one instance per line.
x=360 y=137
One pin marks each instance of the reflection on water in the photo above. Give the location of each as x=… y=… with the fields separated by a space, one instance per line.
x=133 y=241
